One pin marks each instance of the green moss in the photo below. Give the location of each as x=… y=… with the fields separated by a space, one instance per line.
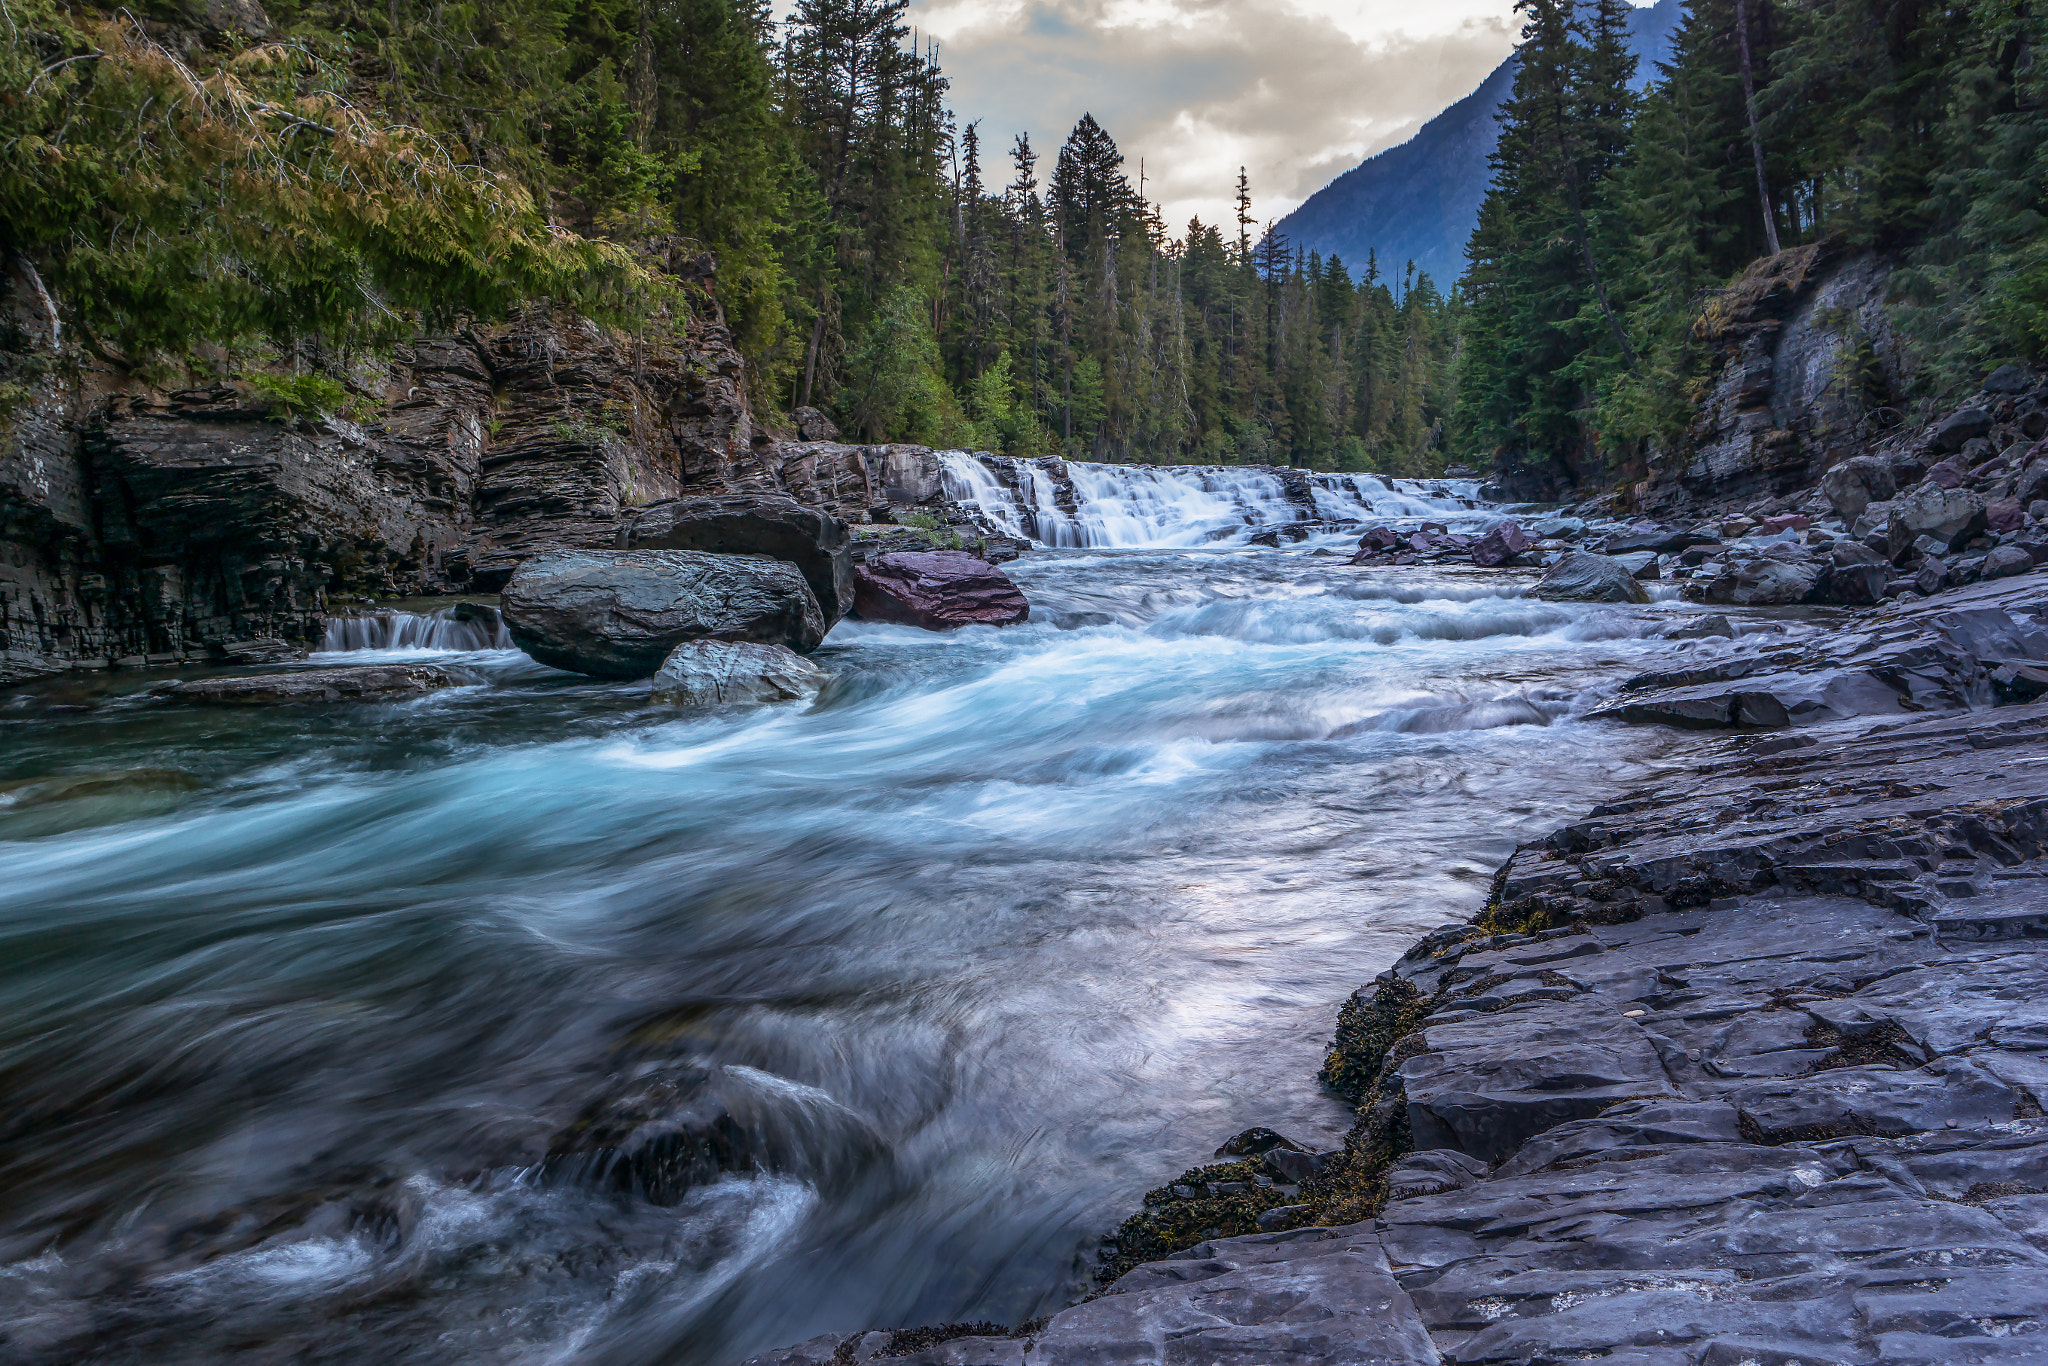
x=1366 y=1030
x=299 y=395
x=1171 y=1222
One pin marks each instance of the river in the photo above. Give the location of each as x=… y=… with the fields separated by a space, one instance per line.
x=1009 y=927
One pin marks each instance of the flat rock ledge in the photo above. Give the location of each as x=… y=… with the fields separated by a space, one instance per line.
x=1746 y=1067
x=349 y=683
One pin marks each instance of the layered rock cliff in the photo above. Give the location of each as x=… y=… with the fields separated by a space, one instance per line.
x=143 y=525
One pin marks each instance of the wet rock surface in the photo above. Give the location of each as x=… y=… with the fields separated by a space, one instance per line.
x=718 y=673
x=1748 y=1065
x=816 y=542
x=1972 y=647
x=619 y=615
x=938 y=590
x=1580 y=576
x=354 y=683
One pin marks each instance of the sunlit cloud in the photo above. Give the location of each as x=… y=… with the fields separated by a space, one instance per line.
x=1295 y=92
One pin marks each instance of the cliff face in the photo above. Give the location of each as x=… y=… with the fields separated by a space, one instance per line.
x=140 y=526
x=1806 y=369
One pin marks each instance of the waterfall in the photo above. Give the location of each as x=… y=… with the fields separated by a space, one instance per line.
x=465 y=626
x=1163 y=506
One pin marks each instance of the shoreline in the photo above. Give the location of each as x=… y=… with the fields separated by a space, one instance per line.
x=1746 y=1065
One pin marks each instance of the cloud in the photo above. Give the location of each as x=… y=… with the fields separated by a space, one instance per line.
x=1295 y=92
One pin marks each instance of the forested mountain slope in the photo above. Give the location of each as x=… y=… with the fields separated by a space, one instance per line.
x=1419 y=201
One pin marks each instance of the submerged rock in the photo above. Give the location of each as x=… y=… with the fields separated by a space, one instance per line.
x=938 y=590
x=719 y=673
x=816 y=542
x=1580 y=576
x=22 y=793
x=355 y=683
x=618 y=615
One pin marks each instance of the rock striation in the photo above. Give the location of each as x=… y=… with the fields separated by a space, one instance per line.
x=1973 y=647
x=1747 y=1065
x=619 y=615
x=354 y=683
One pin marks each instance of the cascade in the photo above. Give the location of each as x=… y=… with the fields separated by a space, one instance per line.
x=1160 y=506
x=465 y=626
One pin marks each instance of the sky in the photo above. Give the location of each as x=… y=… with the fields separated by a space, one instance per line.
x=1295 y=91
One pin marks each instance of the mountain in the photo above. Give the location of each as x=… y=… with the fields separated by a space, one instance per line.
x=1420 y=200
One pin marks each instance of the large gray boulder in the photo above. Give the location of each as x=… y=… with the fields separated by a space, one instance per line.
x=1765 y=581
x=1585 y=577
x=619 y=614
x=722 y=673
x=816 y=542
x=1855 y=484
x=1959 y=428
x=1951 y=516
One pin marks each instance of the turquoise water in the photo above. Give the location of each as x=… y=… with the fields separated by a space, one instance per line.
x=1006 y=929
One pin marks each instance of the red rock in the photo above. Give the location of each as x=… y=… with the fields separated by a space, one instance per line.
x=1499 y=545
x=1786 y=521
x=2005 y=515
x=938 y=590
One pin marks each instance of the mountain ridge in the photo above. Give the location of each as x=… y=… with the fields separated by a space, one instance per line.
x=1418 y=201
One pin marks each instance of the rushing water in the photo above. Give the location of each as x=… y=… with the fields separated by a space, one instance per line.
x=1184 y=505
x=1007 y=928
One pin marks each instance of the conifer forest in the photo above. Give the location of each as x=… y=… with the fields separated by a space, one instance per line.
x=362 y=171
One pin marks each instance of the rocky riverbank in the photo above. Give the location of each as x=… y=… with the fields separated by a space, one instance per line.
x=1747 y=1065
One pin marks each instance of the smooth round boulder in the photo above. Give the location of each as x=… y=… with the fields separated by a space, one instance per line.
x=619 y=614
x=723 y=673
x=1581 y=576
x=816 y=542
x=937 y=590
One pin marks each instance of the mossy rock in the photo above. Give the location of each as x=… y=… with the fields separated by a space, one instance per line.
x=1172 y=1222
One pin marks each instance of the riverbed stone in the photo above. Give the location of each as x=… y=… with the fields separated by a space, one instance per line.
x=722 y=673
x=937 y=590
x=1502 y=542
x=810 y=538
x=1580 y=576
x=1304 y=1297
x=619 y=614
x=353 y=683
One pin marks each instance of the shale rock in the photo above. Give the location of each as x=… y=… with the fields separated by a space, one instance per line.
x=1662 y=540
x=1933 y=656
x=1584 y=577
x=816 y=542
x=618 y=615
x=718 y=673
x=359 y=683
x=1309 y=1297
x=938 y=590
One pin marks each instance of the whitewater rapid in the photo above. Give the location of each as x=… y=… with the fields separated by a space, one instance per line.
x=1167 y=506
x=1009 y=927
